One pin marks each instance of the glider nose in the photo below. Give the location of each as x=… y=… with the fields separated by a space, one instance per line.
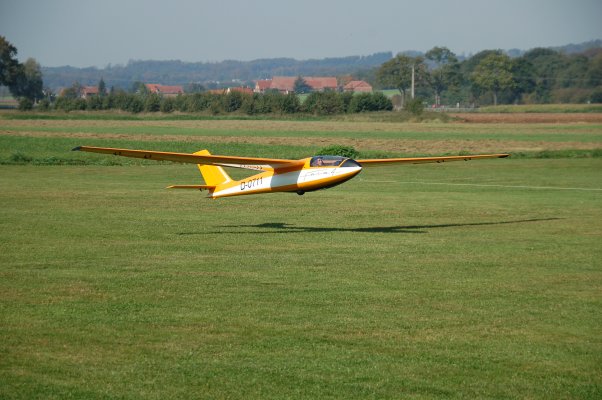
x=349 y=171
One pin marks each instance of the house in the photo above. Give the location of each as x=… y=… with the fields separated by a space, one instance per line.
x=262 y=85
x=357 y=86
x=88 y=91
x=164 y=90
x=286 y=84
x=321 y=83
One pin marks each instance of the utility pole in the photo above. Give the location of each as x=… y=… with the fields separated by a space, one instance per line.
x=413 y=81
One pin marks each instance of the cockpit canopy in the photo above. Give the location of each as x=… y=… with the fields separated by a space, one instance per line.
x=332 y=161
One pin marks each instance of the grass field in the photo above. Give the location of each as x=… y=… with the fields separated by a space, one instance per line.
x=465 y=280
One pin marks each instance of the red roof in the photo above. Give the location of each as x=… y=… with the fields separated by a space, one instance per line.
x=240 y=89
x=283 y=83
x=87 y=90
x=358 y=86
x=321 y=82
x=287 y=83
x=164 y=89
x=263 y=85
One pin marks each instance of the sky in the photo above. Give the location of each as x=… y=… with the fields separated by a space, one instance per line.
x=85 y=33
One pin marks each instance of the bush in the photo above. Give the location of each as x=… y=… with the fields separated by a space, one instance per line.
x=94 y=103
x=152 y=103
x=232 y=101
x=346 y=98
x=290 y=104
x=248 y=105
x=323 y=103
x=414 y=106
x=25 y=104
x=168 y=104
x=596 y=96
x=197 y=102
x=19 y=158
x=44 y=105
x=369 y=102
x=68 y=104
x=130 y=102
x=339 y=150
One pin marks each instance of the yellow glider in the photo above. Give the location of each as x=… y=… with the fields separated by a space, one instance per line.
x=278 y=175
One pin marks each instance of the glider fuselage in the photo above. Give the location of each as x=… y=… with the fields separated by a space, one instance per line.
x=317 y=173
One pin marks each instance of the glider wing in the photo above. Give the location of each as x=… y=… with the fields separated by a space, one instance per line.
x=264 y=164
x=420 y=160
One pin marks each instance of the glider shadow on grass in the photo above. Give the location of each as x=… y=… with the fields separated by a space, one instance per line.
x=282 y=227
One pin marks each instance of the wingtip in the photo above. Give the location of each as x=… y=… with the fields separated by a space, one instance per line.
x=78 y=148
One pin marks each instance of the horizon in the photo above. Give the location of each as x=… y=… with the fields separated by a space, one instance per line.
x=89 y=34
x=469 y=55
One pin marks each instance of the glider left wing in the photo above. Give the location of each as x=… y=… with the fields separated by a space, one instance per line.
x=264 y=164
x=420 y=160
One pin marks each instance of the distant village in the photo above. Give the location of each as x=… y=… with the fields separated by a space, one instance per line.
x=282 y=84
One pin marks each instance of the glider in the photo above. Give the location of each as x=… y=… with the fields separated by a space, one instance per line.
x=277 y=175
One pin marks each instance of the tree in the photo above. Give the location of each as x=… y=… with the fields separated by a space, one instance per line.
x=29 y=83
x=8 y=62
x=593 y=76
x=494 y=74
x=301 y=86
x=446 y=71
x=72 y=92
x=397 y=73
x=139 y=88
x=102 y=88
x=547 y=64
x=23 y=80
x=524 y=78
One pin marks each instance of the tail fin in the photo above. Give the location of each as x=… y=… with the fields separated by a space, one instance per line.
x=212 y=175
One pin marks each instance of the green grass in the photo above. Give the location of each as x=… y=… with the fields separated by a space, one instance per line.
x=56 y=151
x=393 y=285
x=332 y=129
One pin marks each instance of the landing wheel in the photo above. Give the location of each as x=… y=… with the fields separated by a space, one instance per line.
x=300 y=192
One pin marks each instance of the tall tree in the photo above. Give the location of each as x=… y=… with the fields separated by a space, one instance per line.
x=494 y=74
x=446 y=70
x=9 y=65
x=524 y=78
x=23 y=80
x=547 y=64
x=102 y=88
x=397 y=73
x=301 y=86
x=31 y=85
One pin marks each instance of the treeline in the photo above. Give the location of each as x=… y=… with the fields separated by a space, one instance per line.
x=492 y=77
x=317 y=103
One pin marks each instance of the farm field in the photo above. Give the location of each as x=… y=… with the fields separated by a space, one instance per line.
x=473 y=279
x=305 y=137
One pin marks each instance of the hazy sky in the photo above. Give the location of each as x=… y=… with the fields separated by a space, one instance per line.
x=95 y=33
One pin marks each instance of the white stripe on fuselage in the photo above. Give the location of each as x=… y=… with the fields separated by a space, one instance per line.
x=261 y=183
